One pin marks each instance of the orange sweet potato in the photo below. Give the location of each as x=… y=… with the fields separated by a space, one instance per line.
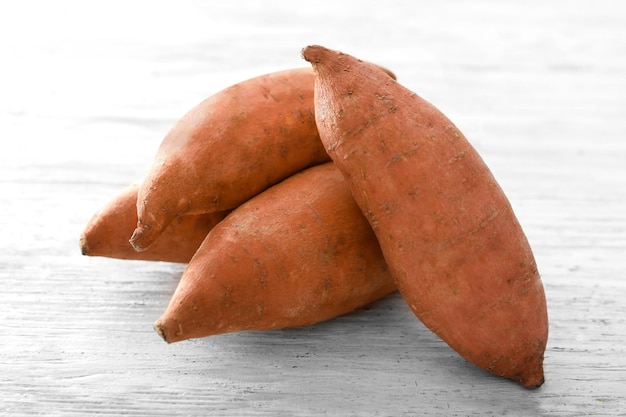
x=230 y=147
x=106 y=234
x=298 y=253
x=448 y=233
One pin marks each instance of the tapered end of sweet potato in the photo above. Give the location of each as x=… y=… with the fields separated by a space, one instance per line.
x=531 y=382
x=534 y=382
x=316 y=54
x=170 y=330
x=158 y=327
x=90 y=238
x=532 y=377
x=142 y=238
x=84 y=245
x=326 y=61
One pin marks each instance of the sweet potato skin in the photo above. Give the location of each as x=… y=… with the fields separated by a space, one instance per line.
x=229 y=148
x=448 y=233
x=298 y=253
x=106 y=234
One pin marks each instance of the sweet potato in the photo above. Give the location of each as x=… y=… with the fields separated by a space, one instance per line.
x=298 y=253
x=448 y=233
x=230 y=147
x=106 y=234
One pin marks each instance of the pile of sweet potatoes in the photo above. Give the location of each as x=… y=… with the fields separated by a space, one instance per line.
x=301 y=195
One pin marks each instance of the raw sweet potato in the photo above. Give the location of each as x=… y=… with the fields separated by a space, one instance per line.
x=448 y=233
x=230 y=147
x=299 y=253
x=106 y=234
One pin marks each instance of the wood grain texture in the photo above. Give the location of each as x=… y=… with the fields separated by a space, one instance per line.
x=537 y=87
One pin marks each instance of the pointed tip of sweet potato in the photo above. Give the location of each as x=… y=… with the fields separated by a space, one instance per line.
x=161 y=331
x=84 y=245
x=533 y=378
x=170 y=329
x=535 y=383
x=141 y=239
x=309 y=53
x=315 y=54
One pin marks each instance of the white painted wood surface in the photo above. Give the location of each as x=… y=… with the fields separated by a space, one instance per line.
x=87 y=91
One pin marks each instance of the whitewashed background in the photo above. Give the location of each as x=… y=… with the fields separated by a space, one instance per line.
x=88 y=90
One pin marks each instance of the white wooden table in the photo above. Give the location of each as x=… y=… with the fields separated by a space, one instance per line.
x=87 y=91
